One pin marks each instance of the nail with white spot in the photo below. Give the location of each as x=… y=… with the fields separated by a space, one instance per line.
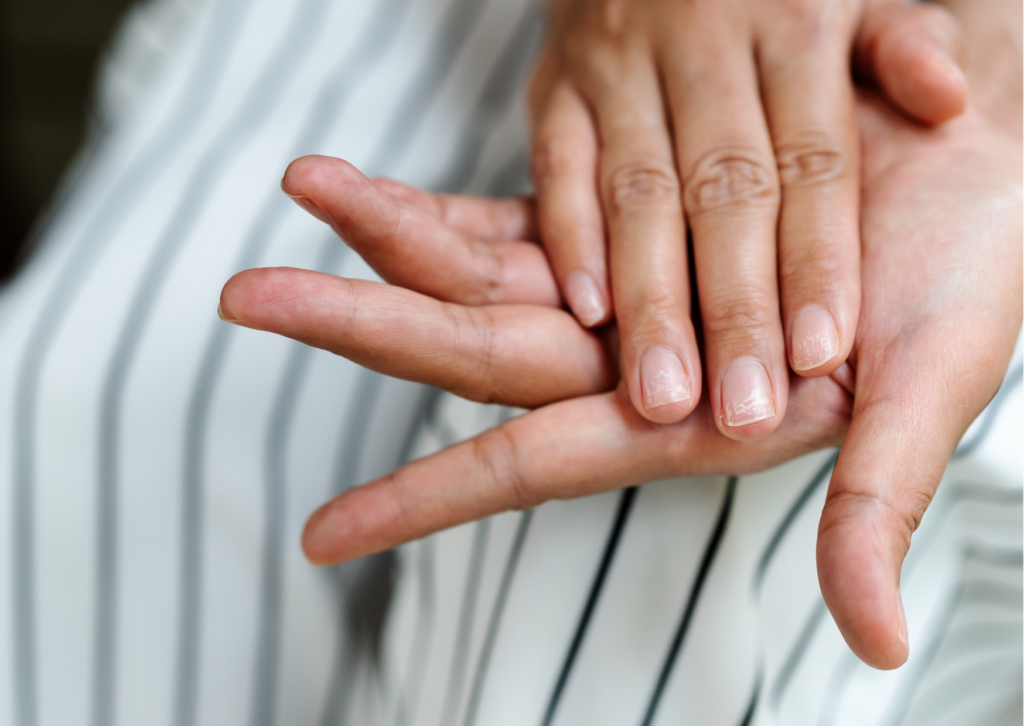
x=814 y=339
x=662 y=378
x=746 y=393
x=584 y=298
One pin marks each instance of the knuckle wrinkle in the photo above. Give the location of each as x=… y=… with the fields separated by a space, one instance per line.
x=641 y=185
x=809 y=164
x=728 y=179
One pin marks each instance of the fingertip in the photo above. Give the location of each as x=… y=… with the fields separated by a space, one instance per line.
x=748 y=409
x=667 y=393
x=587 y=300
x=915 y=62
x=814 y=348
x=314 y=544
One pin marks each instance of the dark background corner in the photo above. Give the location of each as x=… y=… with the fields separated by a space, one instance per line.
x=49 y=51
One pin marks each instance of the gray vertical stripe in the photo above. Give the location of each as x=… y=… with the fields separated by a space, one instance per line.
x=341 y=83
x=626 y=500
x=467 y=613
x=259 y=103
x=494 y=624
x=346 y=470
x=275 y=447
x=495 y=98
x=676 y=644
x=500 y=88
x=409 y=696
x=111 y=212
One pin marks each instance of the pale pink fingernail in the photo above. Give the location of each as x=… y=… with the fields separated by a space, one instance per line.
x=584 y=298
x=901 y=625
x=662 y=378
x=814 y=338
x=746 y=393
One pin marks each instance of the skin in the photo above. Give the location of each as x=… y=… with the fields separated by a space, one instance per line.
x=731 y=121
x=941 y=274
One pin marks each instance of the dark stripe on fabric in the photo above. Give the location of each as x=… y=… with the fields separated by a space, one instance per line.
x=275 y=447
x=370 y=48
x=611 y=546
x=467 y=613
x=458 y=20
x=486 y=105
x=420 y=655
x=755 y=697
x=676 y=644
x=259 y=103
x=364 y=586
x=494 y=624
x=346 y=471
x=797 y=652
x=819 y=478
x=495 y=98
x=126 y=191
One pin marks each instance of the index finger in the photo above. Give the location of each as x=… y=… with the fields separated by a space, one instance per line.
x=565 y=450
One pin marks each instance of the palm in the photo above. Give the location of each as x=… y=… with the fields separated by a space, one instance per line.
x=941 y=289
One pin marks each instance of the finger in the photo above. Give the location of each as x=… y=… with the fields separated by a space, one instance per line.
x=911 y=50
x=569 y=449
x=906 y=423
x=731 y=195
x=496 y=220
x=647 y=243
x=413 y=248
x=564 y=166
x=814 y=133
x=518 y=355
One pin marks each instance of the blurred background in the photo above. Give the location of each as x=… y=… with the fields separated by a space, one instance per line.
x=50 y=51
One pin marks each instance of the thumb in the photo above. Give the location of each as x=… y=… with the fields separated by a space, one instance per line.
x=899 y=442
x=910 y=50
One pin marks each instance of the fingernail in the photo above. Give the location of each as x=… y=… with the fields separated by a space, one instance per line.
x=584 y=298
x=220 y=314
x=306 y=203
x=814 y=338
x=746 y=393
x=901 y=626
x=950 y=67
x=662 y=378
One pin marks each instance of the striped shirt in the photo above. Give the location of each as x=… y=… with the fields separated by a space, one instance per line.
x=157 y=466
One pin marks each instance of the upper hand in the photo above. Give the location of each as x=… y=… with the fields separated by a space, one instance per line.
x=733 y=118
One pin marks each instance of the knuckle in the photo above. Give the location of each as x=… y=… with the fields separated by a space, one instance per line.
x=496 y=452
x=473 y=340
x=554 y=158
x=845 y=508
x=490 y=274
x=809 y=162
x=642 y=184
x=748 y=312
x=727 y=178
x=821 y=264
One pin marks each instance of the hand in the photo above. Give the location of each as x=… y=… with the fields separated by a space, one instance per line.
x=652 y=110
x=942 y=281
x=941 y=229
x=462 y=325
